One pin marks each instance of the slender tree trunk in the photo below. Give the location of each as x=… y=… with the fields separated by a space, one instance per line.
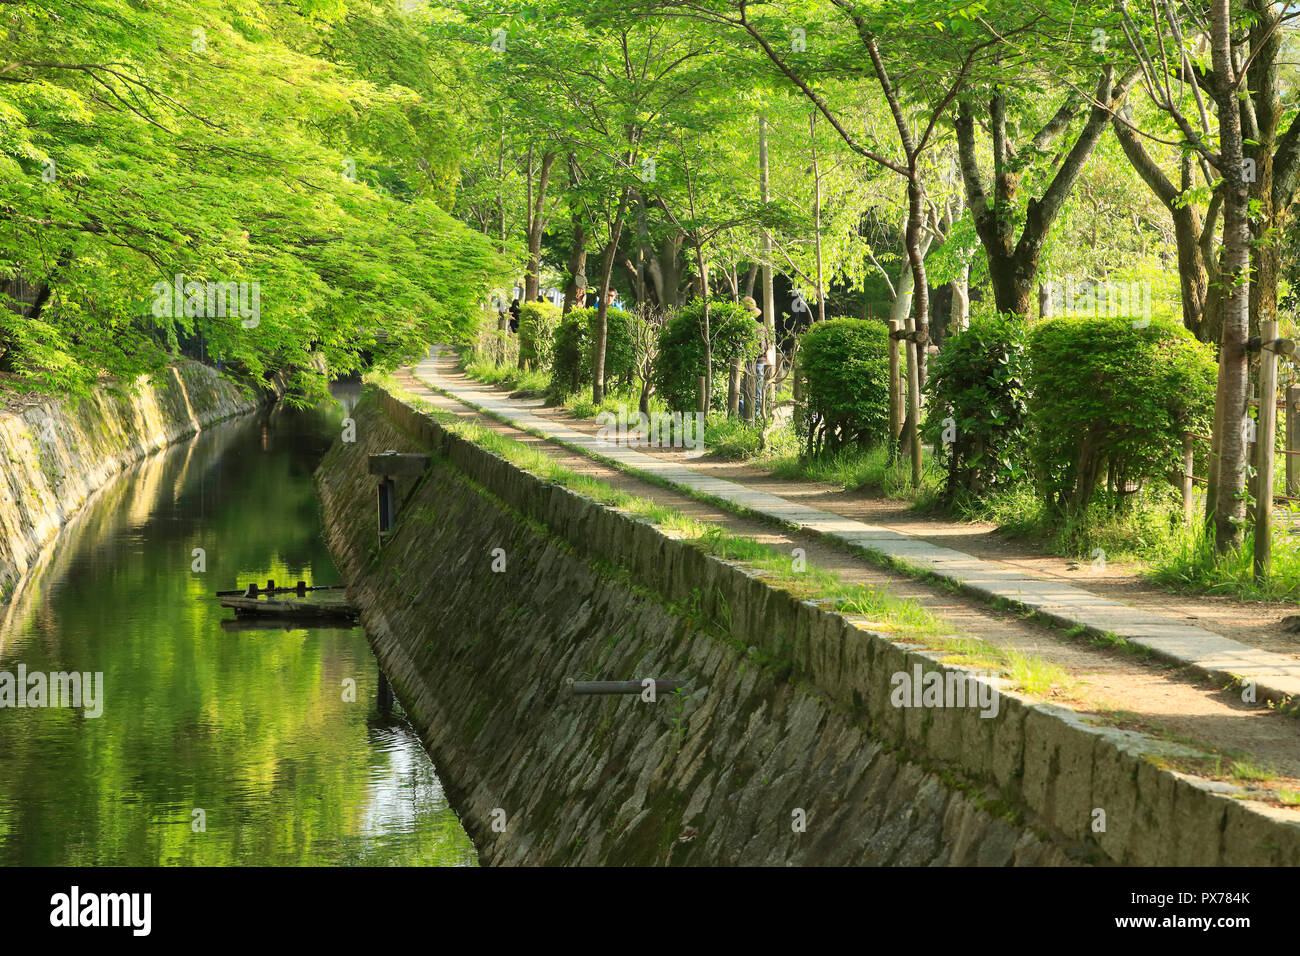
x=642 y=245
x=917 y=322
x=769 y=289
x=578 y=252
x=602 y=308
x=1261 y=143
x=501 y=193
x=817 y=218
x=536 y=221
x=1234 y=387
x=703 y=268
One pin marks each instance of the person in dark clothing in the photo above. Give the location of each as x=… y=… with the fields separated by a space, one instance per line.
x=514 y=316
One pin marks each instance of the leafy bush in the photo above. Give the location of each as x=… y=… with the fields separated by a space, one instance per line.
x=538 y=322
x=1109 y=401
x=575 y=339
x=978 y=379
x=845 y=364
x=491 y=345
x=733 y=439
x=680 y=361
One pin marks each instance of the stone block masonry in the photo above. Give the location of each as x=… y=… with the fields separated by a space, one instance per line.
x=59 y=452
x=784 y=747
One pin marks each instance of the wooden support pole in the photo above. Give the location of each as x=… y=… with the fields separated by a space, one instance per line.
x=914 y=350
x=1189 y=457
x=733 y=388
x=916 y=343
x=769 y=391
x=387 y=506
x=1292 y=440
x=1265 y=433
x=749 y=386
x=895 y=390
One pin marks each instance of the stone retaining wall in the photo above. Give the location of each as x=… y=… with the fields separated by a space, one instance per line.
x=57 y=453
x=787 y=714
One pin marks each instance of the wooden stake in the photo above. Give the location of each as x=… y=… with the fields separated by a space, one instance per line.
x=895 y=391
x=1265 y=433
x=1292 y=440
x=733 y=389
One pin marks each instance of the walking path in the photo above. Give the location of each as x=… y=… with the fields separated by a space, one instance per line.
x=1276 y=677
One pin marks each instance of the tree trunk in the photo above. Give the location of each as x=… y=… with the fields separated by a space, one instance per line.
x=959 y=314
x=1262 y=81
x=1189 y=233
x=1013 y=263
x=817 y=218
x=703 y=268
x=920 y=280
x=769 y=290
x=602 y=307
x=1234 y=390
x=578 y=253
x=536 y=221
x=501 y=192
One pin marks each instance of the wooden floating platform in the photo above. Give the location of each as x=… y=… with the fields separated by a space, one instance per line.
x=302 y=610
x=258 y=603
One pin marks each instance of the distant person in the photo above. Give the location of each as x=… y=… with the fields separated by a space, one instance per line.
x=514 y=316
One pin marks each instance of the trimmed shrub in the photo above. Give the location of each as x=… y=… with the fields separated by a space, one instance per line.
x=538 y=322
x=571 y=353
x=845 y=365
x=680 y=361
x=978 y=380
x=1110 y=402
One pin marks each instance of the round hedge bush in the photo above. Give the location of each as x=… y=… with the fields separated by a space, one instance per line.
x=571 y=353
x=845 y=365
x=1110 y=401
x=979 y=380
x=680 y=359
x=538 y=322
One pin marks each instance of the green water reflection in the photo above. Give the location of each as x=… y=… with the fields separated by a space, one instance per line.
x=251 y=727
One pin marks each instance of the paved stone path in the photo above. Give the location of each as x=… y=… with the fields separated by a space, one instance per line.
x=1276 y=677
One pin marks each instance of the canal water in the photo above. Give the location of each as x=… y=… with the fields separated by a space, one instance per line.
x=215 y=746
